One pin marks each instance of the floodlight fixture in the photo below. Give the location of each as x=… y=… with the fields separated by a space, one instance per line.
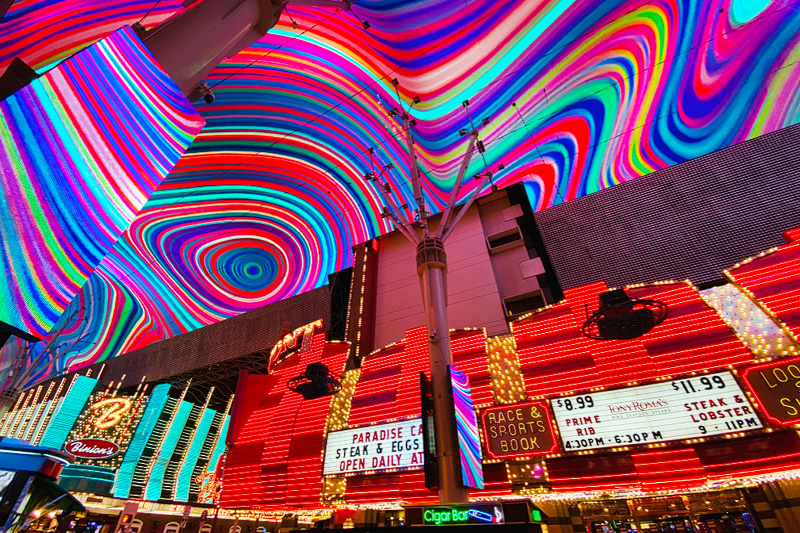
x=206 y=92
x=316 y=382
x=621 y=317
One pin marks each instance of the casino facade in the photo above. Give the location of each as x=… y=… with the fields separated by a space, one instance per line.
x=690 y=426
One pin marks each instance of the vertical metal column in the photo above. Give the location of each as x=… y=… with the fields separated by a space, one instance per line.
x=432 y=271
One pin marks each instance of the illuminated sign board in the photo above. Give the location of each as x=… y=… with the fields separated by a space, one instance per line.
x=698 y=406
x=92 y=448
x=452 y=515
x=776 y=385
x=109 y=412
x=518 y=430
x=107 y=421
x=375 y=448
x=469 y=441
x=296 y=341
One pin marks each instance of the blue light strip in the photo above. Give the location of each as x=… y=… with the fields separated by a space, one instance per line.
x=153 y=489
x=220 y=447
x=155 y=406
x=95 y=473
x=192 y=455
x=64 y=419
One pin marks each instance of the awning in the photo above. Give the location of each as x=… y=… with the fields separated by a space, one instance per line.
x=54 y=496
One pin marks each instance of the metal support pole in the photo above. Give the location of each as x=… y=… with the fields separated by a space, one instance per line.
x=191 y=43
x=432 y=271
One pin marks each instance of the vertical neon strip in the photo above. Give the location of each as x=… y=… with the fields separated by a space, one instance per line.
x=154 y=484
x=213 y=463
x=196 y=446
x=467 y=427
x=155 y=406
x=67 y=414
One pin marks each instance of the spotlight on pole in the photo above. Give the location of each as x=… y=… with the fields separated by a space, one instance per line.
x=317 y=381
x=621 y=317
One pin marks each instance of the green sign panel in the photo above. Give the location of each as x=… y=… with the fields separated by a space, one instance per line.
x=453 y=515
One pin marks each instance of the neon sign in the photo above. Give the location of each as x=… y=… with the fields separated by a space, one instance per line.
x=519 y=430
x=296 y=341
x=686 y=408
x=473 y=514
x=109 y=412
x=92 y=448
x=777 y=387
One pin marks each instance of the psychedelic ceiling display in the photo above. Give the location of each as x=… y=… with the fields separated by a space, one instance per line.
x=81 y=150
x=581 y=95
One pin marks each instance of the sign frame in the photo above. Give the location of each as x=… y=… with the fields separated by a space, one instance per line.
x=377 y=425
x=92 y=457
x=760 y=403
x=544 y=405
x=690 y=379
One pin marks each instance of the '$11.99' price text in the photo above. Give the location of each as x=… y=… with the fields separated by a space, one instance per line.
x=705 y=383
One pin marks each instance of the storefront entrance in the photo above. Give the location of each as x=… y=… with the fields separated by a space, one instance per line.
x=714 y=512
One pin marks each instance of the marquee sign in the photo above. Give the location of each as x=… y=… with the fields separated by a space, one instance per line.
x=518 y=430
x=92 y=448
x=776 y=385
x=699 y=406
x=376 y=448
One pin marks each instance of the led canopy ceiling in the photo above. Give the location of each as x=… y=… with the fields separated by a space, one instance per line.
x=581 y=95
x=81 y=150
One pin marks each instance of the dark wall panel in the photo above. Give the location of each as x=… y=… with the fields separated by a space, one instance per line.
x=248 y=333
x=688 y=221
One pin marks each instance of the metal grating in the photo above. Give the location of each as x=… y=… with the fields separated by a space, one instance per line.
x=688 y=221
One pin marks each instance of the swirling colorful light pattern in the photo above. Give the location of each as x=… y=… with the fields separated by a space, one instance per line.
x=582 y=95
x=469 y=440
x=81 y=150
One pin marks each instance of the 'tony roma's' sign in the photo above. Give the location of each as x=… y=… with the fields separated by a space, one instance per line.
x=368 y=449
x=92 y=448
